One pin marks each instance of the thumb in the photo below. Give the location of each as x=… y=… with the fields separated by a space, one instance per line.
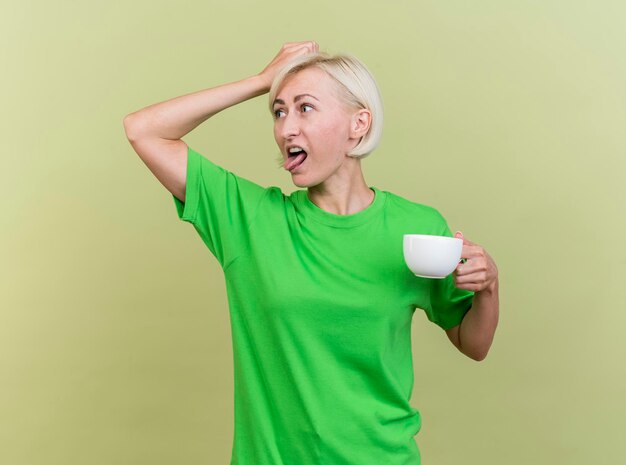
x=459 y=235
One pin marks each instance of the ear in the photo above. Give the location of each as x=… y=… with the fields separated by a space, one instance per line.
x=360 y=123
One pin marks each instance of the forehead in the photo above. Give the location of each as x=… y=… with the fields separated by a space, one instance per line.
x=308 y=81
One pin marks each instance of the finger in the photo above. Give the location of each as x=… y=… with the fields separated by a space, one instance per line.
x=308 y=43
x=311 y=46
x=472 y=251
x=479 y=277
x=459 y=235
x=466 y=241
x=303 y=49
x=294 y=44
x=470 y=267
x=473 y=287
x=292 y=49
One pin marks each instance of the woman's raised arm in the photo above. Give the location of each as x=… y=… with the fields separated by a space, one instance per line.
x=155 y=132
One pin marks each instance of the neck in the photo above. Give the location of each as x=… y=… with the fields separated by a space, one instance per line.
x=343 y=195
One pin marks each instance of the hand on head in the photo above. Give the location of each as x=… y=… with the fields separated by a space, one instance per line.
x=287 y=52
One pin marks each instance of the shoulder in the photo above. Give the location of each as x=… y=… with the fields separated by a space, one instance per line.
x=423 y=211
x=411 y=217
x=276 y=197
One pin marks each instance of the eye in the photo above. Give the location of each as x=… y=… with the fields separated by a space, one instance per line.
x=306 y=105
x=277 y=113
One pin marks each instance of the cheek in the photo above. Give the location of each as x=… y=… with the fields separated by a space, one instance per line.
x=335 y=132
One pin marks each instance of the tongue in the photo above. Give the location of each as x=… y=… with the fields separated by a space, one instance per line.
x=292 y=162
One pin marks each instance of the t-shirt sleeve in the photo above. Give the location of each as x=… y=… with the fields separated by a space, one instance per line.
x=220 y=205
x=447 y=303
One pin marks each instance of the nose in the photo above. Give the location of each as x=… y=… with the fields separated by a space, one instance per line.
x=290 y=126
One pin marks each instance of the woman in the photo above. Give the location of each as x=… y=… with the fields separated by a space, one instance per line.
x=321 y=301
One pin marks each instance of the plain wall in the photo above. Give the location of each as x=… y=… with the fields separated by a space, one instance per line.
x=507 y=117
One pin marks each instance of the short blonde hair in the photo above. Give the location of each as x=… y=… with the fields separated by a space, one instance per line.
x=356 y=87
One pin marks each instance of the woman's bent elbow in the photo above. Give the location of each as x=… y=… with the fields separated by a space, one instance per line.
x=131 y=127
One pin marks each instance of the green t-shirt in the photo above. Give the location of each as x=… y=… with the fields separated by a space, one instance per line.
x=320 y=309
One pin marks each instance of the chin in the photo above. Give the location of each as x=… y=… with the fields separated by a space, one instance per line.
x=302 y=183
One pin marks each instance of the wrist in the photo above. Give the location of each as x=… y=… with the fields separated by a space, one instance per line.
x=490 y=290
x=262 y=82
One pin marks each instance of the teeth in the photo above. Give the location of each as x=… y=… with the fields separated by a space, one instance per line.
x=295 y=149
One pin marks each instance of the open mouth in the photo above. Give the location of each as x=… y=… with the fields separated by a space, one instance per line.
x=296 y=157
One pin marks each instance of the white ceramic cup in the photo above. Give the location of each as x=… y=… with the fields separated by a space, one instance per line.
x=432 y=256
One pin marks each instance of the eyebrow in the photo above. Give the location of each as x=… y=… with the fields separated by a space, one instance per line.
x=296 y=98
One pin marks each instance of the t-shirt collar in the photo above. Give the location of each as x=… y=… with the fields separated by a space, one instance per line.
x=306 y=207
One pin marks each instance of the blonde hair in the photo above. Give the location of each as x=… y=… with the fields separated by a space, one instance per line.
x=355 y=85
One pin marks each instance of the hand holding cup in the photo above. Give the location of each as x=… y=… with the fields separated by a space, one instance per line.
x=478 y=272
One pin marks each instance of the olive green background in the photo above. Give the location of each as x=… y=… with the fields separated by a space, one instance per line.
x=506 y=116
